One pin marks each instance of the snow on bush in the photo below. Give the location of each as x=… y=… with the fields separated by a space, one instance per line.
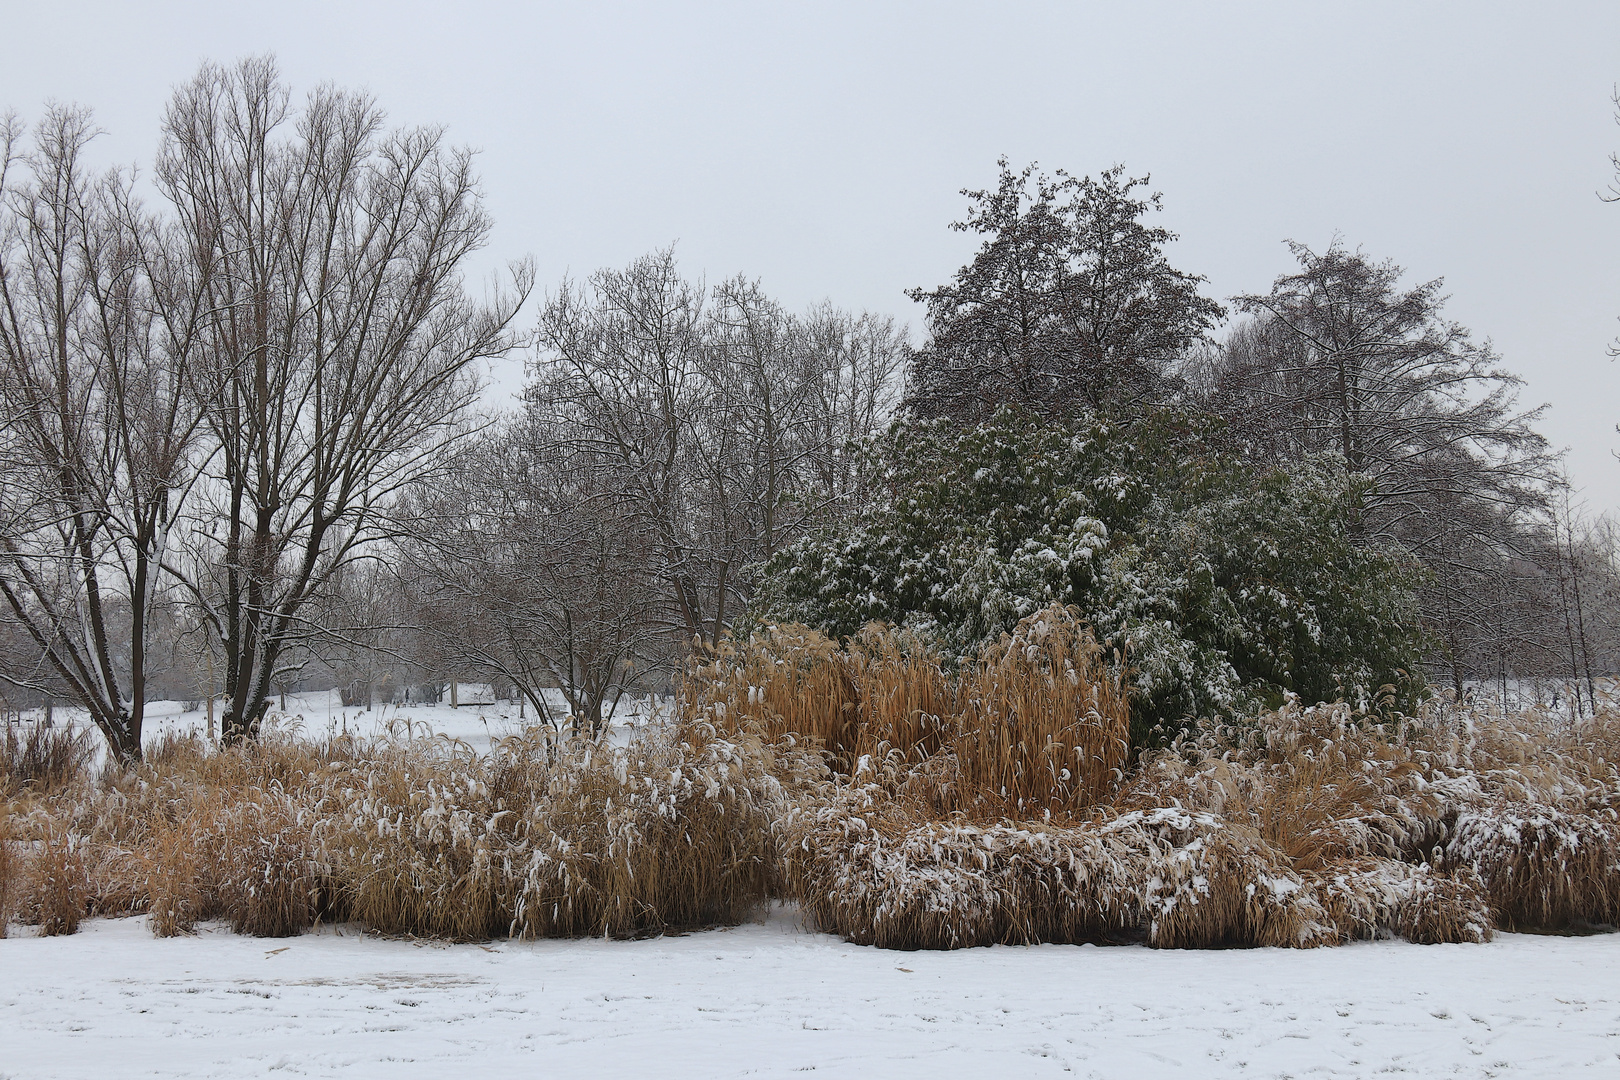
x=1224 y=585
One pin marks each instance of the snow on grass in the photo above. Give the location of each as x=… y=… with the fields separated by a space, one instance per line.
x=774 y=1000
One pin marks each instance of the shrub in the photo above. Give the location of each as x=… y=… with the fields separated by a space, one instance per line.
x=1226 y=586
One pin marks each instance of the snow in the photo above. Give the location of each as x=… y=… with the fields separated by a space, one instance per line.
x=772 y=999
x=321 y=713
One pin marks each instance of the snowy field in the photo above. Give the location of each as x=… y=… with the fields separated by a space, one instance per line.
x=773 y=1000
x=479 y=721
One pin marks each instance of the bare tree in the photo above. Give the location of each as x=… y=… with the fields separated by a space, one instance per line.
x=619 y=382
x=1342 y=359
x=718 y=425
x=858 y=366
x=524 y=572
x=1339 y=357
x=98 y=428
x=340 y=344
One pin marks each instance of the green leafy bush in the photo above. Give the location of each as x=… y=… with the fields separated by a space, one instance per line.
x=1224 y=586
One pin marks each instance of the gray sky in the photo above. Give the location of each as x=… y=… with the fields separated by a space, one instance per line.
x=820 y=147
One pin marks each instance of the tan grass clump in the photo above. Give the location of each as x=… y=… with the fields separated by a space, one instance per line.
x=786 y=683
x=877 y=871
x=1036 y=725
x=906 y=703
x=1539 y=819
x=1044 y=725
x=267 y=864
x=1317 y=783
x=1304 y=827
x=1212 y=884
x=57 y=894
x=1542 y=866
x=546 y=836
x=171 y=881
x=43 y=759
x=676 y=830
x=1371 y=897
x=415 y=841
x=9 y=869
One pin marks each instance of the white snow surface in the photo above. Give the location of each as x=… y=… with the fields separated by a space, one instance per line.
x=774 y=1000
x=321 y=713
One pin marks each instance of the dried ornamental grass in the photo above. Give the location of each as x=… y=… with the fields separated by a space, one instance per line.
x=1037 y=725
x=905 y=701
x=1211 y=884
x=267 y=882
x=1045 y=725
x=677 y=830
x=1371 y=897
x=867 y=869
x=1541 y=866
x=56 y=896
x=952 y=824
x=44 y=759
x=785 y=683
x=9 y=869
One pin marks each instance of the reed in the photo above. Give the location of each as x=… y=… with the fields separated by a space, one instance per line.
x=1038 y=724
x=9 y=886
x=44 y=759
x=905 y=802
x=57 y=892
x=544 y=837
x=1044 y=726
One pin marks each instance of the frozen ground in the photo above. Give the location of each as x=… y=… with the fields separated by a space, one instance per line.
x=773 y=1000
x=321 y=713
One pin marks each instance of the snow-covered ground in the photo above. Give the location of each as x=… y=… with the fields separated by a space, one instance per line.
x=321 y=714
x=775 y=1000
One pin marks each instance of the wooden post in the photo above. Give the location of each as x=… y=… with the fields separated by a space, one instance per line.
x=454 y=704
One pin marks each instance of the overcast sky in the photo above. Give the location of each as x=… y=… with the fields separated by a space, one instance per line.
x=821 y=147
